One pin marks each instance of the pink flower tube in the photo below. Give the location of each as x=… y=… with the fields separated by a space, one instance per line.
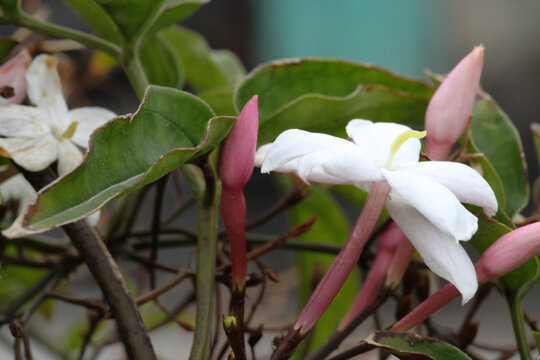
x=389 y=241
x=508 y=252
x=450 y=107
x=237 y=159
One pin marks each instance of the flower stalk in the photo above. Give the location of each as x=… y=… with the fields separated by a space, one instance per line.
x=338 y=271
x=389 y=241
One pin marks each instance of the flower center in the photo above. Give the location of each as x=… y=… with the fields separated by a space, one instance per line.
x=400 y=140
x=70 y=131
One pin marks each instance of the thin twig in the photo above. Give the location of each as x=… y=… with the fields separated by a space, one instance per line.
x=269 y=246
x=92 y=304
x=158 y=204
x=95 y=318
x=260 y=295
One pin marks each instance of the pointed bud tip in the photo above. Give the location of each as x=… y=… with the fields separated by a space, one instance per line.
x=479 y=52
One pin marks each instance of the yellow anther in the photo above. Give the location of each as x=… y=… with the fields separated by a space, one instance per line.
x=70 y=131
x=404 y=136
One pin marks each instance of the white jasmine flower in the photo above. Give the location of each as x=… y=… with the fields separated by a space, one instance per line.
x=17 y=188
x=425 y=200
x=35 y=137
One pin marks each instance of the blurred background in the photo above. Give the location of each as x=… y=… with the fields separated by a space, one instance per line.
x=407 y=37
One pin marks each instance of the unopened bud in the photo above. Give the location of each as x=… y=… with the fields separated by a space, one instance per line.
x=230 y=321
x=450 y=107
x=238 y=154
x=508 y=252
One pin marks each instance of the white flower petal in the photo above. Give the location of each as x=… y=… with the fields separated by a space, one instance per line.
x=441 y=253
x=317 y=173
x=22 y=121
x=466 y=183
x=45 y=90
x=17 y=188
x=260 y=154
x=69 y=157
x=33 y=154
x=294 y=143
x=88 y=119
x=93 y=218
x=435 y=202
x=350 y=166
x=376 y=140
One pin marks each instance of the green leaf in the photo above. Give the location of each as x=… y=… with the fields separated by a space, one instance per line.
x=120 y=21
x=484 y=167
x=170 y=128
x=10 y=6
x=414 y=346
x=15 y=281
x=323 y=95
x=175 y=11
x=537 y=341
x=6 y=45
x=498 y=139
x=331 y=227
x=98 y=18
x=230 y=65
x=202 y=72
x=220 y=100
x=489 y=230
x=535 y=129
x=161 y=63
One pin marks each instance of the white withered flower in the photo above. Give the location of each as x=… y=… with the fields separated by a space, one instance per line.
x=35 y=137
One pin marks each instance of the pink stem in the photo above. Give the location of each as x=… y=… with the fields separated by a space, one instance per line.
x=389 y=241
x=345 y=261
x=433 y=303
x=233 y=213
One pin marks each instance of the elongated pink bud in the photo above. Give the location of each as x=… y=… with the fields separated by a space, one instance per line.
x=12 y=82
x=507 y=253
x=238 y=154
x=450 y=107
x=388 y=243
x=237 y=159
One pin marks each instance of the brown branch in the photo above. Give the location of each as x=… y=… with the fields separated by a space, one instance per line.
x=107 y=274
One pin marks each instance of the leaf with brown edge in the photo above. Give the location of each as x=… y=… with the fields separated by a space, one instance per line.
x=414 y=346
x=170 y=128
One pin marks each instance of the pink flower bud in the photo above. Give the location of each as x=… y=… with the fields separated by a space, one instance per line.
x=237 y=159
x=238 y=154
x=507 y=253
x=450 y=107
x=12 y=82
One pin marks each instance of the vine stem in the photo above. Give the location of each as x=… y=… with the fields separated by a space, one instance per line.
x=107 y=274
x=516 y=312
x=207 y=193
x=61 y=32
